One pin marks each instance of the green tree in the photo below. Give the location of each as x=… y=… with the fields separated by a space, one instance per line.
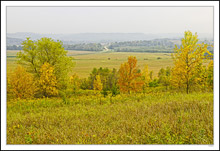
x=36 y=53
x=146 y=78
x=164 y=77
x=108 y=78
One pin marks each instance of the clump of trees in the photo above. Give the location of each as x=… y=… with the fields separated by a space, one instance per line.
x=108 y=78
x=157 y=45
x=85 y=47
x=35 y=54
x=14 y=47
x=45 y=63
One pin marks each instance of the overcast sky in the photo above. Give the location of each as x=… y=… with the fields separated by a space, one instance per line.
x=58 y=20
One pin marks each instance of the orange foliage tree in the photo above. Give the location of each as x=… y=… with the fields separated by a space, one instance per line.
x=130 y=76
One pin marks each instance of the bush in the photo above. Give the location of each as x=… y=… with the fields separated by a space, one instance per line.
x=115 y=90
x=154 y=83
x=64 y=97
x=48 y=81
x=21 y=83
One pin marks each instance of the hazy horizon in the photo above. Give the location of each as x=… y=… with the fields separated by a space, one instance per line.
x=76 y=20
x=101 y=33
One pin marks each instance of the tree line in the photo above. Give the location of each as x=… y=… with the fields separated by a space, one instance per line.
x=85 y=47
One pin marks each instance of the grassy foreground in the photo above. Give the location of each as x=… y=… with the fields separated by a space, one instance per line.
x=165 y=118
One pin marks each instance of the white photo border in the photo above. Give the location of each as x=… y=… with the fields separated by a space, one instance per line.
x=4 y=4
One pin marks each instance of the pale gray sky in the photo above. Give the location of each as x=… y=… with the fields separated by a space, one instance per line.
x=58 y=20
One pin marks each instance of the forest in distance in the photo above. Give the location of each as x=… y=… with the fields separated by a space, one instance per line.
x=129 y=44
x=157 y=91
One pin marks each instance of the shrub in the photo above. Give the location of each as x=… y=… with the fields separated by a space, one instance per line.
x=154 y=83
x=48 y=81
x=75 y=83
x=21 y=83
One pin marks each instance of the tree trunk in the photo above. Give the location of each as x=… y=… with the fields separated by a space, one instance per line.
x=187 y=87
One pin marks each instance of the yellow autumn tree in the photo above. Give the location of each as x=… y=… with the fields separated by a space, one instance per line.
x=210 y=75
x=97 y=85
x=21 y=83
x=201 y=78
x=130 y=76
x=47 y=81
x=187 y=60
x=75 y=83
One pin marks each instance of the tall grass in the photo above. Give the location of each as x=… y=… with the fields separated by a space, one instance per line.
x=163 y=118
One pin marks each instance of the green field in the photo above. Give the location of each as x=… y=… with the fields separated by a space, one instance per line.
x=163 y=118
x=87 y=60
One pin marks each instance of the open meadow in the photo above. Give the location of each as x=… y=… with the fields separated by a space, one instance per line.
x=85 y=61
x=162 y=118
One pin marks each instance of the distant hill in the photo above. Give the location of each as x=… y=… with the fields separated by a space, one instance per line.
x=121 y=42
x=100 y=37
x=87 y=37
x=13 y=41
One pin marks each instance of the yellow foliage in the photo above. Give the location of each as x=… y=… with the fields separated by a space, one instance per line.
x=210 y=74
x=21 y=83
x=187 y=60
x=130 y=76
x=48 y=81
x=146 y=75
x=97 y=85
x=75 y=83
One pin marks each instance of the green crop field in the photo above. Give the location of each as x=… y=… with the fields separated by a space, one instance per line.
x=85 y=61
